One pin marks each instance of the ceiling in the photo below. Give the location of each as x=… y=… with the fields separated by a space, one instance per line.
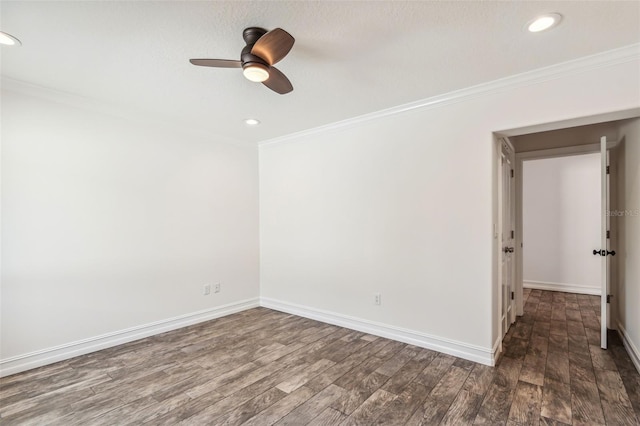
x=350 y=58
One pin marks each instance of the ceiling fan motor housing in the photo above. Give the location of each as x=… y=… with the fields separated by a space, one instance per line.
x=247 y=58
x=250 y=36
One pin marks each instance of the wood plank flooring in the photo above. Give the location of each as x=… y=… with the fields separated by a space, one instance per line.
x=262 y=367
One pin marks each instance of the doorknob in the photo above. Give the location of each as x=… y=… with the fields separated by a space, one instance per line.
x=508 y=250
x=604 y=252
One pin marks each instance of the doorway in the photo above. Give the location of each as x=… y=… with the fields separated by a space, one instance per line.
x=563 y=139
x=565 y=243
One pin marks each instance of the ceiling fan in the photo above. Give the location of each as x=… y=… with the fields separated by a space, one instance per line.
x=264 y=48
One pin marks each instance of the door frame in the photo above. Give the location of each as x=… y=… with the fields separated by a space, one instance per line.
x=496 y=260
x=540 y=155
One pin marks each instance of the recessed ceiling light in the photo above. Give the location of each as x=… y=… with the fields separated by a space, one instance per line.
x=544 y=22
x=251 y=122
x=9 y=40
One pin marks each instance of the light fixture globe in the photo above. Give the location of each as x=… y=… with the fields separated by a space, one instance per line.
x=256 y=72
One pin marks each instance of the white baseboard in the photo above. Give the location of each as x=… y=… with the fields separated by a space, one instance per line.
x=459 y=349
x=631 y=348
x=564 y=287
x=42 y=357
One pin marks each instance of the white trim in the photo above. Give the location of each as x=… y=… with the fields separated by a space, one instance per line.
x=473 y=353
x=564 y=151
x=540 y=75
x=497 y=350
x=632 y=350
x=564 y=287
x=572 y=122
x=46 y=356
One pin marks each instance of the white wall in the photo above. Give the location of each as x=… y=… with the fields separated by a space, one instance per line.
x=628 y=245
x=404 y=205
x=109 y=224
x=561 y=223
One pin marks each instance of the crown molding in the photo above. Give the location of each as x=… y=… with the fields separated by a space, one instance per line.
x=576 y=66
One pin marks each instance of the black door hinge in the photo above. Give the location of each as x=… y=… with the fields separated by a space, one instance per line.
x=608 y=234
x=513 y=295
x=609 y=297
x=511 y=172
x=607 y=169
x=513 y=234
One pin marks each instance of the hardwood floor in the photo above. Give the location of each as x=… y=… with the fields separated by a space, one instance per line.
x=262 y=367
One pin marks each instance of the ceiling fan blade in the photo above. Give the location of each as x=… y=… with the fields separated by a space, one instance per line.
x=273 y=46
x=218 y=63
x=278 y=82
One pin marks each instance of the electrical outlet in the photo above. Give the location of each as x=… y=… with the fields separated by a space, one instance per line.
x=206 y=289
x=377 y=298
x=216 y=289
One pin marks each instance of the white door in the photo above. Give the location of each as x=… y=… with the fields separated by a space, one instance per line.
x=604 y=251
x=507 y=238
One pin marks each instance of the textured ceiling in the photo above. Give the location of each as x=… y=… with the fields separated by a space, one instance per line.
x=350 y=58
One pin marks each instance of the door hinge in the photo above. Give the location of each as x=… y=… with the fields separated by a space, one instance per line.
x=512 y=172
x=513 y=295
x=607 y=169
x=608 y=234
x=513 y=234
x=609 y=297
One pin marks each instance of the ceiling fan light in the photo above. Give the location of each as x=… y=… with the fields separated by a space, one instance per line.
x=9 y=40
x=256 y=72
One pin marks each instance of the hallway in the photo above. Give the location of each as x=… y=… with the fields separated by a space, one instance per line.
x=555 y=365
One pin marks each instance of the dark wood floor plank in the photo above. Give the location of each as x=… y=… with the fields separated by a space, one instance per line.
x=526 y=405
x=508 y=372
x=556 y=401
x=441 y=396
x=463 y=409
x=329 y=417
x=601 y=359
x=615 y=401
x=250 y=408
x=433 y=372
x=295 y=381
x=315 y=405
x=533 y=369
x=585 y=403
x=358 y=394
x=479 y=379
x=495 y=406
x=557 y=366
x=338 y=370
x=398 y=411
x=369 y=410
x=281 y=408
x=580 y=366
x=392 y=366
